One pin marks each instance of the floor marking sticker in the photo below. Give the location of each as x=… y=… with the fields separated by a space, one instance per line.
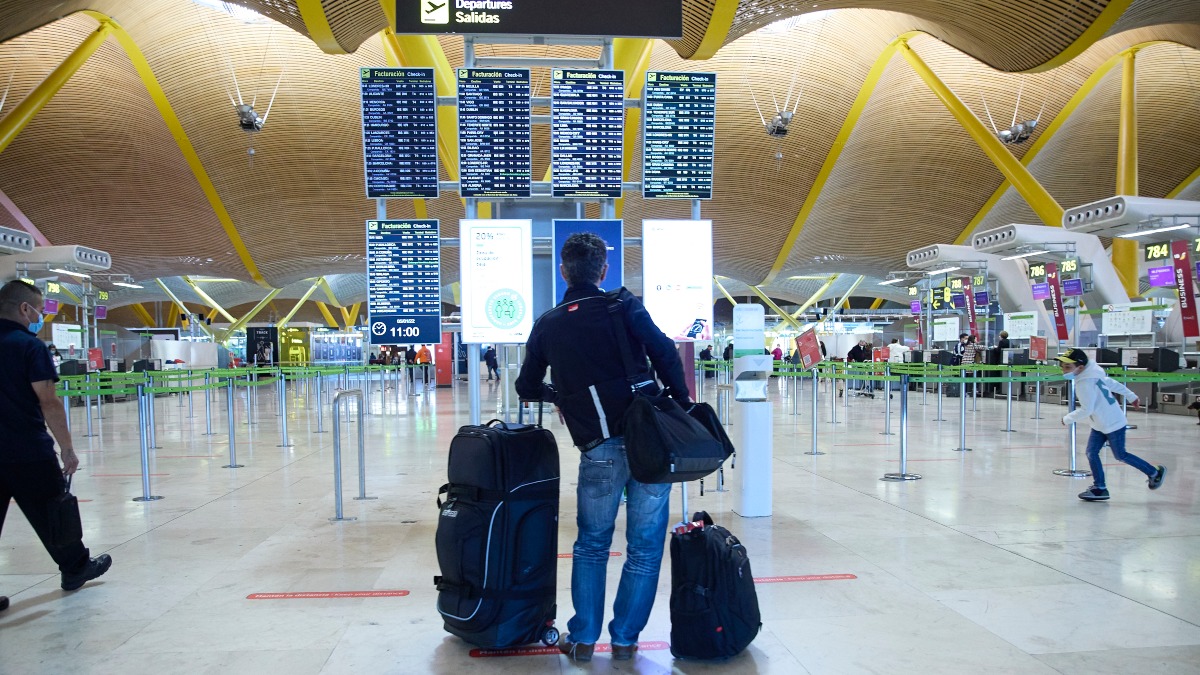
x=946 y=459
x=611 y=554
x=807 y=577
x=601 y=648
x=326 y=595
x=125 y=475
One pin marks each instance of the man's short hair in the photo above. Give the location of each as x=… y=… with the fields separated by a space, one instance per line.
x=17 y=291
x=583 y=257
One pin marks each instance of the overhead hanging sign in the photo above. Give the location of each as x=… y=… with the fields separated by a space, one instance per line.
x=404 y=301
x=966 y=289
x=1060 y=314
x=679 y=122
x=611 y=231
x=496 y=269
x=609 y=18
x=495 y=137
x=1183 y=288
x=677 y=277
x=399 y=121
x=587 y=132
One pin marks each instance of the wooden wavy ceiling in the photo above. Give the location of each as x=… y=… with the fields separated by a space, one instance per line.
x=97 y=166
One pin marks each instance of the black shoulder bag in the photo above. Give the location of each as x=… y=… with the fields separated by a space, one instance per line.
x=664 y=444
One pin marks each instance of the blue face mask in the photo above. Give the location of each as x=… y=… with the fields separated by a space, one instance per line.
x=1069 y=376
x=37 y=325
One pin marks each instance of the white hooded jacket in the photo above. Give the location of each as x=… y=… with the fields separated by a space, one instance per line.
x=1097 y=405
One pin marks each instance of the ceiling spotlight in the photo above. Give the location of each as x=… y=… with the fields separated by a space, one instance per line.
x=1142 y=233
x=1017 y=133
x=1024 y=255
x=778 y=126
x=124 y=284
x=942 y=271
x=247 y=118
x=889 y=282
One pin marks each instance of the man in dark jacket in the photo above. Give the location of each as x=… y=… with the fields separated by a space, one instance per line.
x=577 y=340
x=29 y=470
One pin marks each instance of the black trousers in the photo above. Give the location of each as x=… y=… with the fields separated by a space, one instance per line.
x=33 y=485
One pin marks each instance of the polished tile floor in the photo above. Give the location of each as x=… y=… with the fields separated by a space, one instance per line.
x=987 y=564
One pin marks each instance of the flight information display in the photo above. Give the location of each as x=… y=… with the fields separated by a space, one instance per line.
x=678 y=132
x=587 y=132
x=495 y=140
x=404 y=299
x=399 y=118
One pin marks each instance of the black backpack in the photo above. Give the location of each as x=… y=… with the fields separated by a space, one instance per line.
x=714 y=608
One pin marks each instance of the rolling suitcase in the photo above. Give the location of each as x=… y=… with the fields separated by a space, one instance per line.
x=714 y=607
x=497 y=535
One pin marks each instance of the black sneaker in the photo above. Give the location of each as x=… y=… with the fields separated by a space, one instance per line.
x=95 y=568
x=3 y=602
x=1157 y=480
x=1094 y=494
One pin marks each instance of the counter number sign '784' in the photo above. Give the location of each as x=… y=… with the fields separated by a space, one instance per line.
x=435 y=12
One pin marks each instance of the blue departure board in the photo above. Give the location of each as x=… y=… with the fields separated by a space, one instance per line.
x=587 y=132
x=404 y=298
x=678 y=132
x=495 y=140
x=399 y=118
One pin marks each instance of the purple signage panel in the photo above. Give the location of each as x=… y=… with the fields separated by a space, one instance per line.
x=101 y=312
x=959 y=300
x=981 y=298
x=1072 y=287
x=915 y=305
x=1162 y=276
x=51 y=306
x=1041 y=291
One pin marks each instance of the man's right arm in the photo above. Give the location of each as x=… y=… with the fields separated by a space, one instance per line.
x=56 y=419
x=529 y=384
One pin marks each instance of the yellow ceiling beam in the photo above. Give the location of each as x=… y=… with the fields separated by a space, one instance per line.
x=856 y=110
x=816 y=297
x=877 y=304
x=208 y=299
x=313 y=15
x=139 y=310
x=1094 y=32
x=299 y=303
x=329 y=320
x=1124 y=251
x=150 y=81
x=845 y=301
x=717 y=30
x=183 y=309
x=1184 y=185
x=724 y=292
x=350 y=316
x=633 y=56
x=241 y=323
x=20 y=116
x=774 y=307
x=1026 y=185
x=329 y=292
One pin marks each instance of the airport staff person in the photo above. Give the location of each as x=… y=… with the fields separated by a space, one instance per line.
x=589 y=385
x=29 y=470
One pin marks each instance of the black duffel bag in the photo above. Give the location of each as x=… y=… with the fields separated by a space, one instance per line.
x=664 y=444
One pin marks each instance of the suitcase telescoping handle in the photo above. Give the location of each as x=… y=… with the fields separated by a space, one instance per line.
x=521 y=409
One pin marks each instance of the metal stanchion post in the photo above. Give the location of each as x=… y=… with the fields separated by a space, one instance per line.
x=87 y=403
x=146 y=496
x=191 y=408
x=974 y=391
x=337 y=452
x=362 y=453
x=941 y=389
x=207 y=406
x=962 y=419
x=832 y=398
x=382 y=390
x=320 y=413
x=815 y=385
x=150 y=408
x=67 y=402
x=887 y=403
x=1037 y=399
x=1073 y=471
x=903 y=474
x=283 y=430
x=1008 y=404
x=231 y=412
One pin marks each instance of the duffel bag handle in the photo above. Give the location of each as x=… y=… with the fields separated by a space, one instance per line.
x=702 y=516
x=441 y=491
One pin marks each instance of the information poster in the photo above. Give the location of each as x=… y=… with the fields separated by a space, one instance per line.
x=587 y=132
x=1183 y=289
x=1037 y=348
x=496 y=268
x=678 y=135
x=1125 y=319
x=810 y=348
x=404 y=298
x=946 y=329
x=495 y=151
x=677 y=277
x=399 y=120
x=1021 y=325
x=749 y=329
x=611 y=231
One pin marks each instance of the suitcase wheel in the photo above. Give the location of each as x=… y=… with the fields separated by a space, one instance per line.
x=550 y=637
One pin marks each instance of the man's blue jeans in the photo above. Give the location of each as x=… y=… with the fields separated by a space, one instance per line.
x=1116 y=442
x=603 y=473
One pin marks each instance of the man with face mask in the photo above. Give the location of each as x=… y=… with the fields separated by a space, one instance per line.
x=1100 y=409
x=30 y=472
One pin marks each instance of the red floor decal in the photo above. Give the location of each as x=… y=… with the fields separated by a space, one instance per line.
x=603 y=648
x=125 y=475
x=189 y=456
x=611 y=554
x=326 y=595
x=807 y=577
